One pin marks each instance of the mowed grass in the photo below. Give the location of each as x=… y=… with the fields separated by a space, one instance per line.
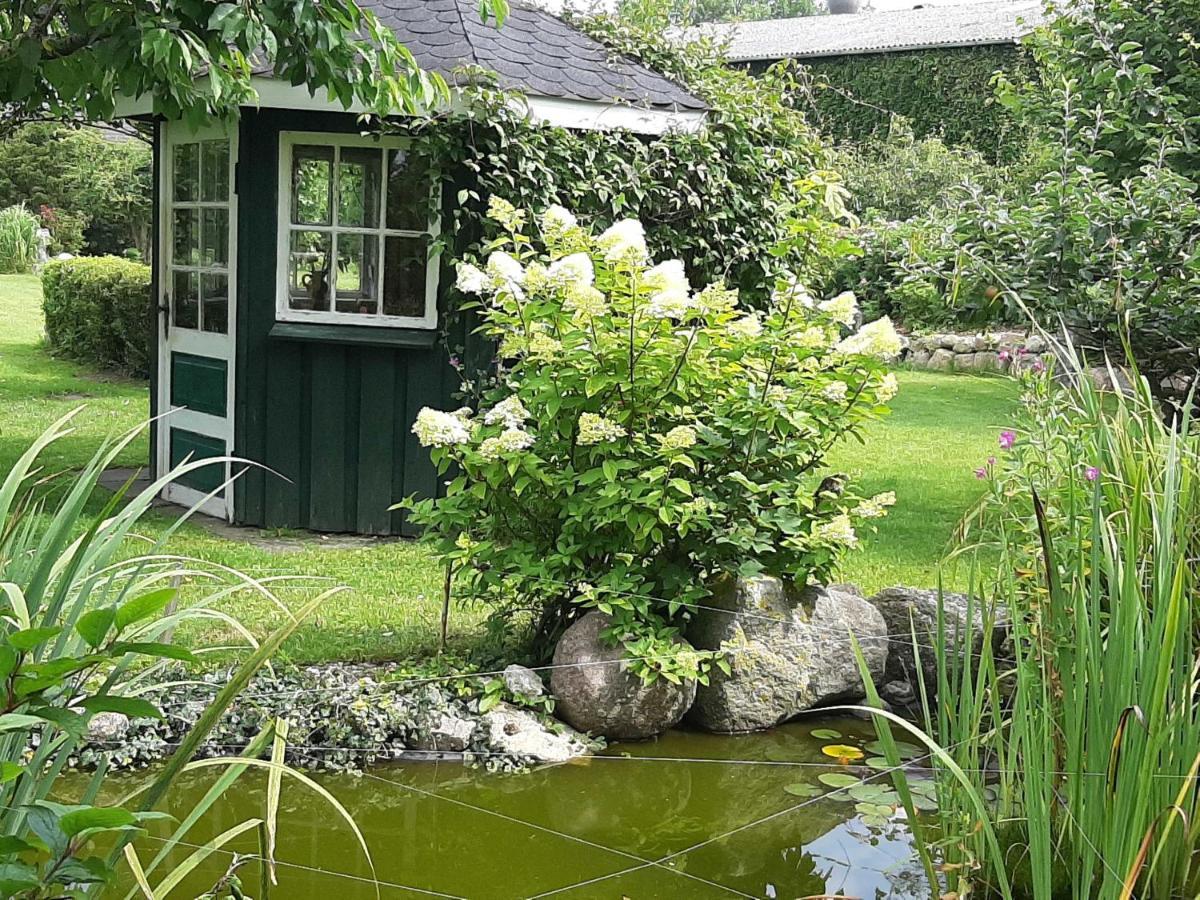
x=942 y=427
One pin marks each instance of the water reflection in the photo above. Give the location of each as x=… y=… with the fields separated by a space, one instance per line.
x=587 y=830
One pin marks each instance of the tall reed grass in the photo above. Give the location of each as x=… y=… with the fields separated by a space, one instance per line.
x=1068 y=769
x=18 y=240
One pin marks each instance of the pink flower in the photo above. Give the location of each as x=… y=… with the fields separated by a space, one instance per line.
x=1091 y=473
x=991 y=460
x=981 y=473
x=1007 y=439
x=1022 y=352
x=1038 y=366
x=455 y=362
x=1004 y=356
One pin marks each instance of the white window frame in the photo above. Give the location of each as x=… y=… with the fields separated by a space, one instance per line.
x=288 y=140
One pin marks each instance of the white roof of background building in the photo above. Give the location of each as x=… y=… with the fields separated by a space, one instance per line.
x=922 y=28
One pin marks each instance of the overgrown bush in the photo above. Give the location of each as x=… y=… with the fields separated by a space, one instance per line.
x=642 y=438
x=18 y=240
x=99 y=310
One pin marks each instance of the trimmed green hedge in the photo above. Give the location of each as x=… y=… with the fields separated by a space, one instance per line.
x=99 y=310
x=947 y=93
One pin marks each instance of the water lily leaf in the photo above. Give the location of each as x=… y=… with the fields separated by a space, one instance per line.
x=802 y=789
x=825 y=734
x=873 y=809
x=874 y=793
x=878 y=763
x=923 y=803
x=842 y=751
x=837 y=779
x=874 y=821
x=905 y=749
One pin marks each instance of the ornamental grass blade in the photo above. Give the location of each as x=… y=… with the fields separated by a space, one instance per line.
x=271 y=820
x=139 y=876
x=185 y=868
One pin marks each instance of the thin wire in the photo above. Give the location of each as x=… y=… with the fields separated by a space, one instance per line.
x=333 y=873
x=560 y=834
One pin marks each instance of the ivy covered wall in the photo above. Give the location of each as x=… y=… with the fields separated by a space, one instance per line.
x=946 y=92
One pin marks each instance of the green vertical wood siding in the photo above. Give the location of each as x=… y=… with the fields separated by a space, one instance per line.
x=331 y=421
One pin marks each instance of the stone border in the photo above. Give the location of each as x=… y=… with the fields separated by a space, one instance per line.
x=1000 y=351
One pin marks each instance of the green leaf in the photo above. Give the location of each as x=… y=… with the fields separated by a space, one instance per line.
x=134 y=707
x=8 y=771
x=838 y=779
x=168 y=651
x=143 y=607
x=93 y=626
x=802 y=789
x=825 y=734
x=29 y=638
x=96 y=818
x=19 y=722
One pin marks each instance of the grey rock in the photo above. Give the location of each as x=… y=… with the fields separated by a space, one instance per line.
x=919 y=357
x=910 y=611
x=985 y=361
x=942 y=359
x=964 y=344
x=898 y=693
x=520 y=733
x=944 y=341
x=985 y=342
x=1035 y=343
x=521 y=680
x=107 y=727
x=443 y=731
x=595 y=690
x=789 y=651
x=1116 y=381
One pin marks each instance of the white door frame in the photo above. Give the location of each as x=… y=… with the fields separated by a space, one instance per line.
x=186 y=340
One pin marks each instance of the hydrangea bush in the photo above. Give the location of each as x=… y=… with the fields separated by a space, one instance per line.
x=642 y=437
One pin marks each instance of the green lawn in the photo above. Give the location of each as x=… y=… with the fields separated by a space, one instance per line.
x=942 y=427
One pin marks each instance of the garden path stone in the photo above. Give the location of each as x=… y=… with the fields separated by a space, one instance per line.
x=595 y=690
x=790 y=651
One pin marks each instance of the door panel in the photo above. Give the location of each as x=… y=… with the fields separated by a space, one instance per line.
x=197 y=250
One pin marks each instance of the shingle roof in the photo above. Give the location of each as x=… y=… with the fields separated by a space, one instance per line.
x=534 y=52
x=879 y=32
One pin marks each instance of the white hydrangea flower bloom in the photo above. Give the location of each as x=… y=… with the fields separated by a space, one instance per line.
x=596 y=429
x=509 y=411
x=624 y=242
x=543 y=345
x=838 y=530
x=585 y=301
x=667 y=276
x=747 y=326
x=842 y=308
x=557 y=219
x=511 y=440
x=716 y=298
x=835 y=391
x=813 y=338
x=436 y=428
x=888 y=388
x=504 y=268
x=471 y=279
x=878 y=338
x=673 y=304
x=876 y=507
x=678 y=438
x=794 y=292
x=575 y=270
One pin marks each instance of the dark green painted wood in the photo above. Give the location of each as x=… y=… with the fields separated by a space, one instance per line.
x=185 y=444
x=359 y=335
x=155 y=274
x=200 y=383
x=329 y=409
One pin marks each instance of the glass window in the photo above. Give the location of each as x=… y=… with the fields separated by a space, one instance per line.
x=358 y=233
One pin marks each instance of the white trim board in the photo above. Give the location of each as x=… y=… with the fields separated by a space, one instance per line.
x=580 y=115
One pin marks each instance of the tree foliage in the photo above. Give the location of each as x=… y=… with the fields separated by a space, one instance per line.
x=698 y=12
x=68 y=59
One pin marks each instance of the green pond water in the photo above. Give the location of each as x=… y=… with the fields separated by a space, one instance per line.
x=580 y=830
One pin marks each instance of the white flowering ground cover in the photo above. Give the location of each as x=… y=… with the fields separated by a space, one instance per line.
x=942 y=427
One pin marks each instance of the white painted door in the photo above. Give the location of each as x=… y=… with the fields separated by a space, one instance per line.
x=197 y=246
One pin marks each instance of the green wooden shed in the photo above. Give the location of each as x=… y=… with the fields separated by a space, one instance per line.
x=300 y=304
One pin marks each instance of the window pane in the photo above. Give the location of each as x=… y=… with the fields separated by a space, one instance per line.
x=185 y=299
x=214 y=294
x=214 y=174
x=216 y=237
x=409 y=206
x=312 y=185
x=357 y=275
x=404 y=263
x=358 y=187
x=186 y=244
x=308 y=270
x=187 y=172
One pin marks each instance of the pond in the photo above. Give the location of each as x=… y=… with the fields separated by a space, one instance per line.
x=687 y=815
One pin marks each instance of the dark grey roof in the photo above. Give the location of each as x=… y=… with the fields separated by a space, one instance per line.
x=534 y=52
x=969 y=25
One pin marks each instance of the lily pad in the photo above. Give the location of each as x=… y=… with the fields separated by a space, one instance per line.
x=874 y=821
x=905 y=749
x=837 y=779
x=878 y=763
x=803 y=789
x=842 y=751
x=874 y=793
x=825 y=734
x=873 y=809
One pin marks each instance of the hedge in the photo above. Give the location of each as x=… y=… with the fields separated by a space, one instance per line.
x=99 y=310
x=947 y=93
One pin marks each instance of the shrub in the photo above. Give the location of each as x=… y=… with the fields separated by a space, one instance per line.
x=99 y=310
x=642 y=439
x=18 y=240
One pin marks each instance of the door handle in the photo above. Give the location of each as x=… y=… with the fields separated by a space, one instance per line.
x=164 y=307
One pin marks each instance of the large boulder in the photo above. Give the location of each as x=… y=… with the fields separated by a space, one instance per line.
x=789 y=651
x=910 y=611
x=595 y=690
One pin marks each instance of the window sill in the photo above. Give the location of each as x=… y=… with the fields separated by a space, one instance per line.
x=359 y=335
